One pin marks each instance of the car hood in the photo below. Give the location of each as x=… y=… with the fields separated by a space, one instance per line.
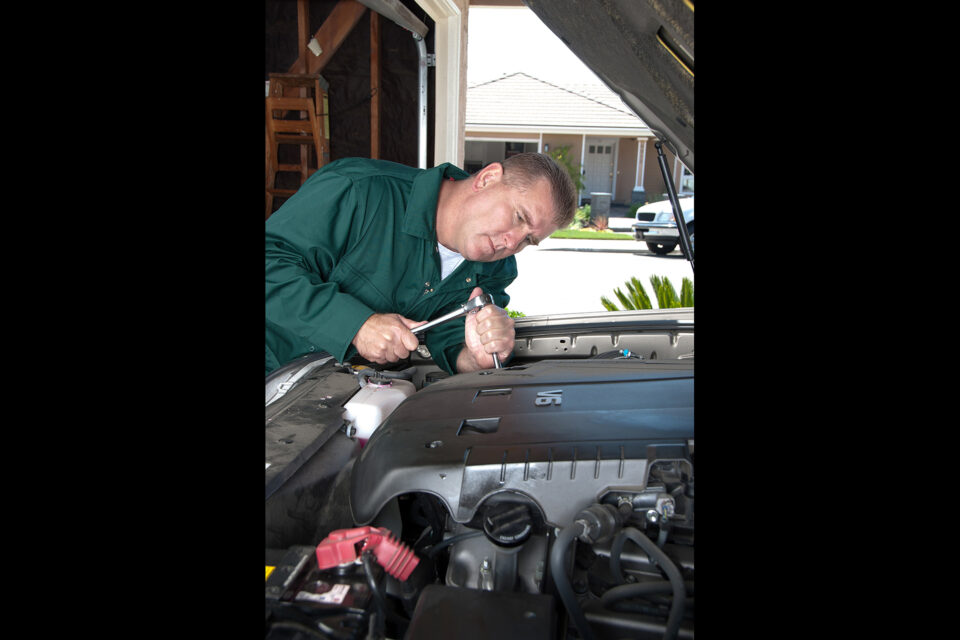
x=641 y=51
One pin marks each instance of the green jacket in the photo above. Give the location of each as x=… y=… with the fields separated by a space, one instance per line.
x=359 y=238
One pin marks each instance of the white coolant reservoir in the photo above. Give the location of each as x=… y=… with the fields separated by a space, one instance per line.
x=374 y=403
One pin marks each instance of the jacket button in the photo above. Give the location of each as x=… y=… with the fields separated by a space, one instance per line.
x=468 y=279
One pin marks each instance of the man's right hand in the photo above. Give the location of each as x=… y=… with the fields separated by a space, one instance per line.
x=386 y=337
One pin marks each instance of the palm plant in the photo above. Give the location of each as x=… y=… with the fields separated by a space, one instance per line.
x=664 y=293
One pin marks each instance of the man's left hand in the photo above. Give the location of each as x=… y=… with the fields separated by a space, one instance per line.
x=489 y=330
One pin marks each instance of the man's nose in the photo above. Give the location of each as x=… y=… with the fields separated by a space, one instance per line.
x=512 y=240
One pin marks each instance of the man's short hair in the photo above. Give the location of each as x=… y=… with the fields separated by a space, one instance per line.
x=523 y=169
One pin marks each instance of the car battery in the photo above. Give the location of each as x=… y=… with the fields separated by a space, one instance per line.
x=304 y=601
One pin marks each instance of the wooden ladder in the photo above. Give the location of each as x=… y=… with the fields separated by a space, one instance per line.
x=297 y=121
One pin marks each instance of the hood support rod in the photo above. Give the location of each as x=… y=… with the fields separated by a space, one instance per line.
x=422 y=99
x=685 y=244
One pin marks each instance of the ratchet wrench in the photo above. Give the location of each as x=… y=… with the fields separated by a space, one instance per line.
x=474 y=304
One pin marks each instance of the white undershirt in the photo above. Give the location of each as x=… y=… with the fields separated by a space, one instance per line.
x=449 y=261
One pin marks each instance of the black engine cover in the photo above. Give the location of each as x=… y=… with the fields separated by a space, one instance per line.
x=561 y=432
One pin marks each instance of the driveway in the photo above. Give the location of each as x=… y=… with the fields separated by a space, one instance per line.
x=567 y=276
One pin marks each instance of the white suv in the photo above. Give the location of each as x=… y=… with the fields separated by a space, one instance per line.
x=656 y=226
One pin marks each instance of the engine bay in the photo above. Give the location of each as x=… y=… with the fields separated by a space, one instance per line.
x=552 y=498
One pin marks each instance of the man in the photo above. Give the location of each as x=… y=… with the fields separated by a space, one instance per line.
x=367 y=250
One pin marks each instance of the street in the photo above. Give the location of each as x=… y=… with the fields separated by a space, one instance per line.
x=567 y=276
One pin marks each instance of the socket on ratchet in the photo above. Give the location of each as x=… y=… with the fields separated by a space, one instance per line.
x=474 y=304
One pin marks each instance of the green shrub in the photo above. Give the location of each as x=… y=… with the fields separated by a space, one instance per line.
x=581 y=218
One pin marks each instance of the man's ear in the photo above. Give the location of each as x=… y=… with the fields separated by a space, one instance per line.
x=490 y=174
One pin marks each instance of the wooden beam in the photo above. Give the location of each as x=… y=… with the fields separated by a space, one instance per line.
x=330 y=35
x=334 y=30
x=374 y=84
x=303 y=37
x=303 y=25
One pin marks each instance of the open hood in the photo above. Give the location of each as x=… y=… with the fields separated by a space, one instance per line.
x=643 y=51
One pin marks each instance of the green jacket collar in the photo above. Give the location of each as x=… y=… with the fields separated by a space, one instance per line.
x=420 y=217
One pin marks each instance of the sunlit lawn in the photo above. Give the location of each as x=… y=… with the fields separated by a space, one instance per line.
x=587 y=234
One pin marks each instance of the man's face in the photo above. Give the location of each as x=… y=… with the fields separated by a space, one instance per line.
x=501 y=220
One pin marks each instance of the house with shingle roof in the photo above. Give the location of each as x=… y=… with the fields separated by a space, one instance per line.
x=612 y=147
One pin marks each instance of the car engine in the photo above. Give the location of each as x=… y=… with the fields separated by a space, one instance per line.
x=552 y=498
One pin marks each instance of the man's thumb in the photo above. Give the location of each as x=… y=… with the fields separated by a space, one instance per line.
x=411 y=324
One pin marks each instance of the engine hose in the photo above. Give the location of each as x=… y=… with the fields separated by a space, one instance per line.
x=562 y=582
x=632 y=590
x=617 y=548
x=363 y=374
x=639 y=589
x=382 y=606
x=423 y=534
x=435 y=549
x=378 y=623
x=666 y=565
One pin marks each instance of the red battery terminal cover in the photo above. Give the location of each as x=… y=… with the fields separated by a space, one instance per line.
x=345 y=545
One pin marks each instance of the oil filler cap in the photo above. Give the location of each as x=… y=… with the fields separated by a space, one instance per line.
x=508 y=524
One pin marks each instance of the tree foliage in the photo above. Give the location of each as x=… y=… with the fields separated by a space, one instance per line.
x=563 y=157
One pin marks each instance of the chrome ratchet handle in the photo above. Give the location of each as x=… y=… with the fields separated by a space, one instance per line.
x=471 y=305
x=456 y=313
x=476 y=303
